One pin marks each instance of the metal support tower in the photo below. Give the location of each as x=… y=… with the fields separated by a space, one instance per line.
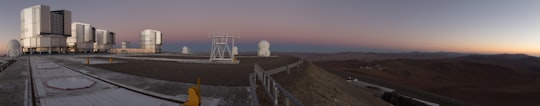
x=221 y=46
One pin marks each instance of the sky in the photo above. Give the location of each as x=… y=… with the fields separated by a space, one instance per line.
x=326 y=26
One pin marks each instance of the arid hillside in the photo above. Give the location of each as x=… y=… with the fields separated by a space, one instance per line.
x=506 y=79
x=316 y=87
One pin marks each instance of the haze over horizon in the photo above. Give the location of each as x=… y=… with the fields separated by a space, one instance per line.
x=471 y=26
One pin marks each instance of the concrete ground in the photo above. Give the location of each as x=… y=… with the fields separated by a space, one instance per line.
x=13 y=86
x=97 y=93
x=13 y=83
x=211 y=95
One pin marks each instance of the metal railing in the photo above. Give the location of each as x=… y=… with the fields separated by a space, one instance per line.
x=285 y=68
x=4 y=65
x=253 y=89
x=272 y=88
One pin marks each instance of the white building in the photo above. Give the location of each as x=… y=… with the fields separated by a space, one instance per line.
x=125 y=44
x=151 y=39
x=43 y=30
x=61 y=22
x=82 y=38
x=151 y=42
x=105 y=40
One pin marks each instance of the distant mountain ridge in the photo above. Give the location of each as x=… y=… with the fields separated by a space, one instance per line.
x=501 y=56
x=371 y=56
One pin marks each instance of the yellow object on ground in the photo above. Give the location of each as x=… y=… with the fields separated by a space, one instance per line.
x=194 y=96
x=193 y=99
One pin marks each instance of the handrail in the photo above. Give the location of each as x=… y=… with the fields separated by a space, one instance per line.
x=264 y=79
x=285 y=68
x=272 y=88
x=4 y=65
x=295 y=101
x=253 y=90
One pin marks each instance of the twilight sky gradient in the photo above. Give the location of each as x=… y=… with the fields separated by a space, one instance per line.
x=475 y=26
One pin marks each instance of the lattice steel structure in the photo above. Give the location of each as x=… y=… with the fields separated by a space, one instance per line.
x=222 y=43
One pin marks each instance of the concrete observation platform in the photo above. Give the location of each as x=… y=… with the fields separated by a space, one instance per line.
x=13 y=83
x=165 y=89
x=59 y=86
x=68 y=80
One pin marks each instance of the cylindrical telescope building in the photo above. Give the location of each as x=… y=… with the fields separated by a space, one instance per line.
x=151 y=39
x=43 y=30
x=82 y=38
x=105 y=41
x=125 y=44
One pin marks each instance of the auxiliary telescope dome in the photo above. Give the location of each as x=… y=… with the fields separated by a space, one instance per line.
x=14 y=44
x=235 y=50
x=264 y=45
x=264 y=48
x=185 y=50
x=14 y=48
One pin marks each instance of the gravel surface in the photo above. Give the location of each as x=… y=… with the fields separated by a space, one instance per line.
x=210 y=74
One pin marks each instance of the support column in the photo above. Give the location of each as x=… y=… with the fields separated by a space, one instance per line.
x=276 y=94
x=288 y=69
x=270 y=84
x=287 y=101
